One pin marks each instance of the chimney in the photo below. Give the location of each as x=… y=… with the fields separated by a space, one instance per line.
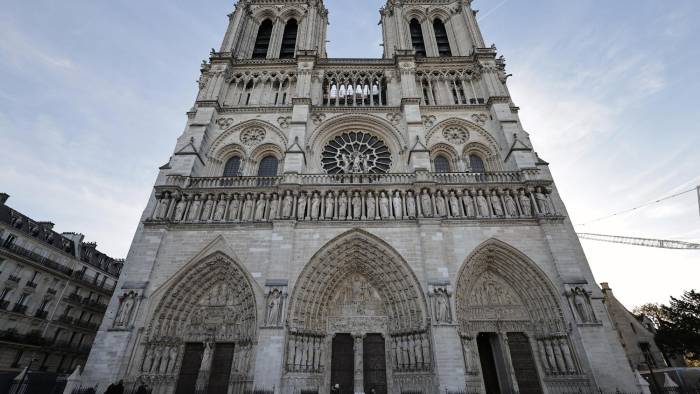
x=605 y=286
x=3 y=198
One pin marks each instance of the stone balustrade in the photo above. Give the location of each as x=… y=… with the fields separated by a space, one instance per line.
x=310 y=197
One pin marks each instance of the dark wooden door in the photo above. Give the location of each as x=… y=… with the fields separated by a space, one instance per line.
x=191 y=361
x=220 y=368
x=374 y=361
x=343 y=364
x=488 y=363
x=523 y=364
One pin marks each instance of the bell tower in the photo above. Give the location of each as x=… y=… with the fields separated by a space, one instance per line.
x=261 y=29
x=431 y=28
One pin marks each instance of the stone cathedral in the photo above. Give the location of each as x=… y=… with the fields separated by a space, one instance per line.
x=356 y=226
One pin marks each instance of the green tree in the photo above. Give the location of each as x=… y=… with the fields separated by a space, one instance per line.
x=679 y=327
x=652 y=311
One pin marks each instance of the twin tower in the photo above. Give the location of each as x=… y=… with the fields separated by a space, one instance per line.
x=356 y=226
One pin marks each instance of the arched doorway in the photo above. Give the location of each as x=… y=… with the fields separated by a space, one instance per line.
x=357 y=318
x=202 y=333
x=514 y=337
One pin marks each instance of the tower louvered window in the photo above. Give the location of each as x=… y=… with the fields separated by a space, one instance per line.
x=443 y=43
x=289 y=40
x=417 y=38
x=262 y=42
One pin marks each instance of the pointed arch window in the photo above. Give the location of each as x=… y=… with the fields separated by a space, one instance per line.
x=442 y=164
x=268 y=166
x=443 y=43
x=233 y=166
x=476 y=163
x=262 y=41
x=417 y=37
x=289 y=39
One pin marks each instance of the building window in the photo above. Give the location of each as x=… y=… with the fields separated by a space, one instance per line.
x=233 y=166
x=442 y=164
x=262 y=42
x=476 y=163
x=289 y=40
x=648 y=357
x=268 y=166
x=443 y=43
x=417 y=37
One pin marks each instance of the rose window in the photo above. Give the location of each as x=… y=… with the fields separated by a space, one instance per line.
x=455 y=134
x=356 y=153
x=252 y=136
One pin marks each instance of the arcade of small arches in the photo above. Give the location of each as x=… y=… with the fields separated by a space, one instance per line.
x=357 y=317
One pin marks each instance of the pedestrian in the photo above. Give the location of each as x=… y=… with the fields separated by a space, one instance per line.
x=116 y=388
x=143 y=389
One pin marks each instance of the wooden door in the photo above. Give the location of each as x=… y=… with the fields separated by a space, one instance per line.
x=191 y=361
x=374 y=362
x=343 y=364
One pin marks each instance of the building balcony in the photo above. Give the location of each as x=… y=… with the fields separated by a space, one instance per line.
x=86 y=325
x=32 y=285
x=21 y=309
x=308 y=197
x=65 y=319
x=37 y=258
x=13 y=278
x=51 y=291
x=41 y=314
x=92 y=304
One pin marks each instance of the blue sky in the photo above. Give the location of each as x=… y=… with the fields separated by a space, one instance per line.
x=93 y=95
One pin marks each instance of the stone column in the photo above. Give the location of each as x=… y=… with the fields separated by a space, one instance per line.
x=359 y=367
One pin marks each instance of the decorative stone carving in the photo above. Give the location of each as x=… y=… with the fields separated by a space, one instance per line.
x=318 y=118
x=482 y=205
x=315 y=206
x=356 y=152
x=252 y=136
x=525 y=203
x=440 y=204
x=511 y=206
x=287 y=204
x=225 y=123
x=394 y=118
x=161 y=210
x=274 y=207
x=370 y=206
x=356 y=206
x=580 y=302
x=397 y=204
x=275 y=303
x=426 y=204
x=208 y=208
x=127 y=306
x=455 y=210
x=440 y=299
x=330 y=205
x=284 y=121
x=301 y=206
x=480 y=119
x=220 y=210
x=455 y=134
x=384 y=208
x=428 y=120
x=496 y=204
x=410 y=205
x=193 y=213
x=260 y=208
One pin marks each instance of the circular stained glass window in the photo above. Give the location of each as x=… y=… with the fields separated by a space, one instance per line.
x=356 y=152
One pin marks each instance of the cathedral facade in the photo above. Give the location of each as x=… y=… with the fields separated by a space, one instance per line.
x=356 y=226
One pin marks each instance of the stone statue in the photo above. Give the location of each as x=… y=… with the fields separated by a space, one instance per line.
x=208 y=208
x=410 y=205
x=548 y=198
x=247 y=208
x=426 y=204
x=525 y=203
x=397 y=205
x=371 y=208
x=330 y=205
x=496 y=204
x=260 y=208
x=440 y=204
x=454 y=205
x=468 y=360
x=206 y=357
x=442 y=306
x=234 y=208
x=301 y=206
x=126 y=308
x=356 y=206
x=287 y=203
x=274 y=206
x=180 y=209
x=220 y=209
x=173 y=359
x=162 y=207
x=511 y=207
x=482 y=204
x=273 y=308
x=384 y=209
x=315 y=206
x=468 y=203
x=342 y=206
x=194 y=209
x=542 y=202
x=582 y=305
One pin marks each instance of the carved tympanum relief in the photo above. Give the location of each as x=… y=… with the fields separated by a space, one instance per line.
x=455 y=134
x=252 y=136
x=356 y=297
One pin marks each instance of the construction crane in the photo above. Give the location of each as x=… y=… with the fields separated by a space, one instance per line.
x=650 y=243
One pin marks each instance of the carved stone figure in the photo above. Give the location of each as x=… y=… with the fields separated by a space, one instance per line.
x=410 y=205
x=496 y=204
x=208 y=208
x=454 y=205
x=274 y=206
x=301 y=206
x=194 y=209
x=234 y=208
x=260 y=208
x=482 y=204
x=356 y=206
x=511 y=207
x=442 y=306
x=384 y=209
x=206 y=357
x=220 y=209
x=371 y=207
x=274 y=304
x=162 y=207
x=315 y=206
x=125 y=310
x=542 y=202
x=287 y=203
x=440 y=204
x=468 y=203
x=247 y=214
x=426 y=204
x=330 y=205
x=397 y=205
x=582 y=305
x=525 y=203
x=180 y=209
x=342 y=206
